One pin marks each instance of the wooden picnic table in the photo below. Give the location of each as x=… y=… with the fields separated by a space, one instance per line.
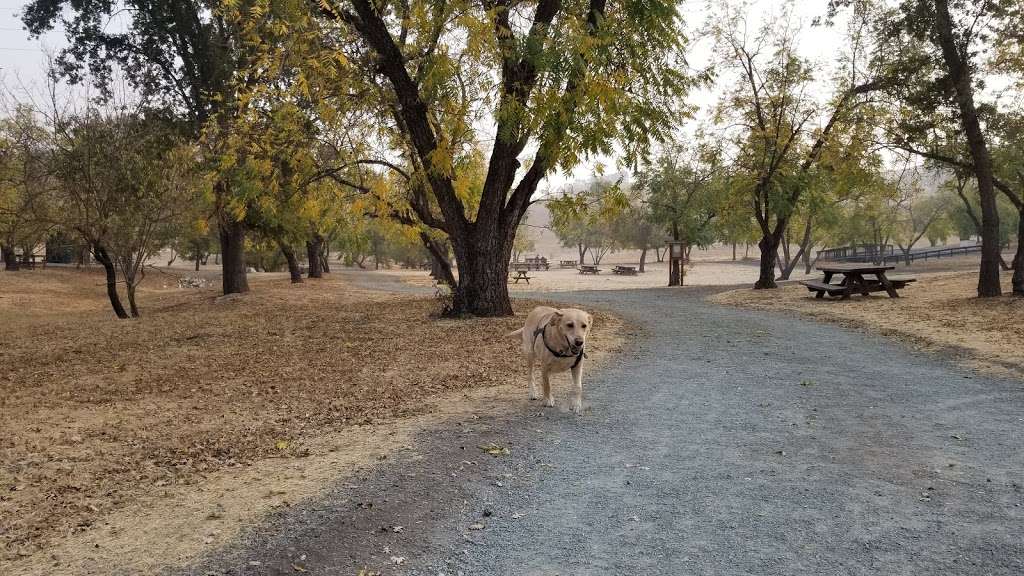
x=855 y=280
x=520 y=275
x=625 y=270
x=584 y=269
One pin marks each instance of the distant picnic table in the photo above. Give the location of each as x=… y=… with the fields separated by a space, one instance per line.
x=625 y=270
x=584 y=269
x=520 y=274
x=856 y=280
x=566 y=263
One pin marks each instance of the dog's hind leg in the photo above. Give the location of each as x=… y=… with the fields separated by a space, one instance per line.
x=529 y=375
x=545 y=379
x=577 y=381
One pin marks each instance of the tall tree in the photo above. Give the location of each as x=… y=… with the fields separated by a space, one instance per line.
x=684 y=189
x=782 y=129
x=126 y=185
x=560 y=81
x=25 y=185
x=934 y=56
x=182 y=55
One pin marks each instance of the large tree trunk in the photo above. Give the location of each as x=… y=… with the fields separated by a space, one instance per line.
x=483 y=256
x=1018 y=257
x=440 y=260
x=130 y=291
x=769 y=245
x=313 y=256
x=960 y=74
x=10 y=260
x=293 y=263
x=108 y=265
x=643 y=258
x=232 y=249
x=804 y=248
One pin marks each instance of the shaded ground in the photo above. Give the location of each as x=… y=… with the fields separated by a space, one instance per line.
x=112 y=430
x=720 y=441
x=940 y=312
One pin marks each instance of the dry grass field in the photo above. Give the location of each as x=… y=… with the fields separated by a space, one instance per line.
x=119 y=438
x=940 y=312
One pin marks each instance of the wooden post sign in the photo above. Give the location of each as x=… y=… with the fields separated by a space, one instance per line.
x=676 y=257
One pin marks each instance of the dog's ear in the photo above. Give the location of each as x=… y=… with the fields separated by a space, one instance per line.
x=556 y=318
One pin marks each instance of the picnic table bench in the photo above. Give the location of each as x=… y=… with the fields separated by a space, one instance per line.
x=520 y=274
x=538 y=263
x=855 y=281
x=589 y=269
x=625 y=270
x=566 y=263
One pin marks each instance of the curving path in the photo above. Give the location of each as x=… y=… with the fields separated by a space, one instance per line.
x=720 y=442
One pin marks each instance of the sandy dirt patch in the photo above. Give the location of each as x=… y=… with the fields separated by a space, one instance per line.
x=133 y=445
x=939 y=312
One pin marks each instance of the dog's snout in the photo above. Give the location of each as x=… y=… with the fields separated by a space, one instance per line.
x=579 y=341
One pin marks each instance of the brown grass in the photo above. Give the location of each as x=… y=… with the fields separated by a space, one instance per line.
x=940 y=312
x=104 y=419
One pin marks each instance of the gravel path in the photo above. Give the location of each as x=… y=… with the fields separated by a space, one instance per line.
x=720 y=442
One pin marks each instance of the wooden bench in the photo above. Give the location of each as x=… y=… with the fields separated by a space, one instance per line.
x=566 y=263
x=625 y=270
x=589 y=270
x=823 y=287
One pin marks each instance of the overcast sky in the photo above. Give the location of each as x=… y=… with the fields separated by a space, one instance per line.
x=22 y=59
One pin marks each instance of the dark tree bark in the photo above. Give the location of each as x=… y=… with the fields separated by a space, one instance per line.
x=232 y=248
x=1018 y=257
x=293 y=263
x=132 y=306
x=960 y=74
x=313 y=246
x=440 y=261
x=804 y=249
x=643 y=258
x=769 y=245
x=10 y=260
x=733 y=251
x=108 y=266
x=483 y=272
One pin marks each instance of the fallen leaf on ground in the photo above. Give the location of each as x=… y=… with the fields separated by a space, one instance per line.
x=494 y=449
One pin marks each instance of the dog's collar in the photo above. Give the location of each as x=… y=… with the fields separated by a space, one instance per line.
x=542 y=332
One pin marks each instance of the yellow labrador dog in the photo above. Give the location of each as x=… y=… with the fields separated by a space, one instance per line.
x=558 y=338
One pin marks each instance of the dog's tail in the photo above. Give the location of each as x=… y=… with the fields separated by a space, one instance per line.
x=515 y=333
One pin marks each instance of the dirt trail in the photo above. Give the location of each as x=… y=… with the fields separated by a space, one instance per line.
x=719 y=441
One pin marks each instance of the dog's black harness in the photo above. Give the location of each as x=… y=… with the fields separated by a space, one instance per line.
x=543 y=338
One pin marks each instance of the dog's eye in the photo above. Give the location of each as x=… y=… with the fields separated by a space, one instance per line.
x=583 y=325
x=569 y=325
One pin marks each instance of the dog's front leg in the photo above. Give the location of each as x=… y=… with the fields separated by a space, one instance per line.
x=577 y=380
x=529 y=371
x=545 y=379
